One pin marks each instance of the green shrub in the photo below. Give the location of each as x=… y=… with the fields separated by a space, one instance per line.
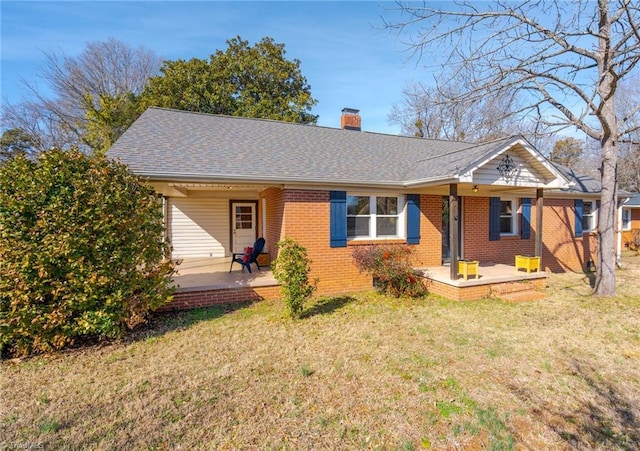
x=390 y=267
x=291 y=270
x=81 y=251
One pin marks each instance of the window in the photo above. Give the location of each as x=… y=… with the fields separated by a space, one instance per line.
x=508 y=211
x=626 y=219
x=374 y=216
x=588 y=216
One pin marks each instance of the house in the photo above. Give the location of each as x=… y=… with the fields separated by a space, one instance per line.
x=227 y=180
x=630 y=220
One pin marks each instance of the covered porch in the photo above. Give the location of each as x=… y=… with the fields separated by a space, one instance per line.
x=202 y=282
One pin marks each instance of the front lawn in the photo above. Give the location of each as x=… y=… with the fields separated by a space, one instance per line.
x=356 y=372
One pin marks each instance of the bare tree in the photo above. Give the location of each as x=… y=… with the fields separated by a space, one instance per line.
x=563 y=60
x=106 y=74
x=427 y=111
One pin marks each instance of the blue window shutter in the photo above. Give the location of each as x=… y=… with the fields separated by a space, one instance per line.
x=494 y=219
x=338 y=218
x=525 y=227
x=413 y=219
x=578 y=207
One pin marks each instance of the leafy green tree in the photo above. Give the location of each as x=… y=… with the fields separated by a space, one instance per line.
x=107 y=118
x=243 y=81
x=15 y=142
x=81 y=251
x=567 y=152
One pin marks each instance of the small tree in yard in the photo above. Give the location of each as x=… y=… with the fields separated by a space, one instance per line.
x=390 y=266
x=291 y=270
x=81 y=251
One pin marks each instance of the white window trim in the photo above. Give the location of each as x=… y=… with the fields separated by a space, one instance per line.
x=626 y=227
x=514 y=215
x=593 y=215
x=373 y=233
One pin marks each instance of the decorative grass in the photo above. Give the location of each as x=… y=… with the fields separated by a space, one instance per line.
x=362 y=371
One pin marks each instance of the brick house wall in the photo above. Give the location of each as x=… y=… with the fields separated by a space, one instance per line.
x=476 y=235
x=561 y=251
x=303 y=215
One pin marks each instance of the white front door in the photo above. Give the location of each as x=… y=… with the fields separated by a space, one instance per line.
x=243 y=219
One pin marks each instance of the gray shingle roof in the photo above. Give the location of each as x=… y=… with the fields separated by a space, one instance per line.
x=633 y=201
x=192 y=145
x=581 y=183
x=180 y=145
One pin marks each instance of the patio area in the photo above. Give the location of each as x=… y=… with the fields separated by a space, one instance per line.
x=494 y=280
x=213 y=274
x=487 y=273
x=208 y=280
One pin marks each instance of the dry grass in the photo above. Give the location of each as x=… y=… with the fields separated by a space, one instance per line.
x=356 y=372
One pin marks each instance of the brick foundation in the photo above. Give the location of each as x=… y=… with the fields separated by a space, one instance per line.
x=185 y=300
x=475 y=292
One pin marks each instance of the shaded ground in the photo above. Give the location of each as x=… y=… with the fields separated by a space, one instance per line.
x=356 y=372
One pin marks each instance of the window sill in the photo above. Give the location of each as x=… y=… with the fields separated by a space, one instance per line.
x=366 y=241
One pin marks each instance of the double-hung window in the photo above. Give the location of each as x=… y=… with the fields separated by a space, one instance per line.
x=626 y=219
x=588 y=216
x=508 y=216
x=374 y=216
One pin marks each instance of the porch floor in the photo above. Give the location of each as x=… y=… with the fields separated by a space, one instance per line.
x=195 y=274
x=488 y=273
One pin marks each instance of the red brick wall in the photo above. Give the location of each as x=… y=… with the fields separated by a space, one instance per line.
x=274 y=215
x=429 y=251
x=476 y=235
x=627 y=235
x=561 y=251
x=185 y=300
x=306 y=220
x=303 y=215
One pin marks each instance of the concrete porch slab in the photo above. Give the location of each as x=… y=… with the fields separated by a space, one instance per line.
x=195 y=274
x=488 y=273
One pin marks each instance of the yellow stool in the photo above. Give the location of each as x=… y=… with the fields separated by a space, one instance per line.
x=528 y=263
x=468 y=268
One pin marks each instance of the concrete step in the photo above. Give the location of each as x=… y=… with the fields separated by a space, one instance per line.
x=511 y=287
x=523 y=296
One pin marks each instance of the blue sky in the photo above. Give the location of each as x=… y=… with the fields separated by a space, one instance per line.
x=348 y=60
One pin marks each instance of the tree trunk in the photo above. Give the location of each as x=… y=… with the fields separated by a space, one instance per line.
x=606 y=266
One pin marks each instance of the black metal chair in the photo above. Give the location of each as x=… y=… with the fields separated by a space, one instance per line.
x=246 y=260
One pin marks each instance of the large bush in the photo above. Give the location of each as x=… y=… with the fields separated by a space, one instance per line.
x=291 y=270
x=81 y=251
x=391 y=269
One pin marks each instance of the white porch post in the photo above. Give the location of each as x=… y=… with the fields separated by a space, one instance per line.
x=539 y=209
x=454 y=241
x=619 y=232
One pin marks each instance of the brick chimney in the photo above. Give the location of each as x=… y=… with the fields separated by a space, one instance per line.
x=350 y=119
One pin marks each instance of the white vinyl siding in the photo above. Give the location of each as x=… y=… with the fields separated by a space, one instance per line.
x=526 y=174
x=199 y=227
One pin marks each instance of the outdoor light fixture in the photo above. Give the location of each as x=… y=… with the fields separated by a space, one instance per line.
x=507 y=168
x=475 y=188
